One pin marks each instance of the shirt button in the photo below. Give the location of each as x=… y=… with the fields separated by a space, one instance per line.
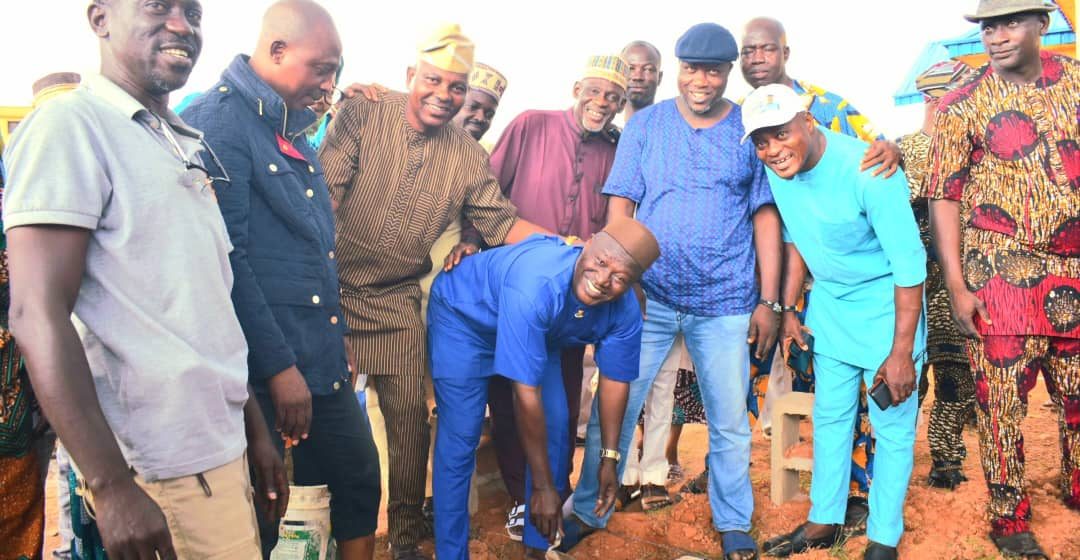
x=315 y=299
x=272 y=168
x=337 y=385
x=310 y=193
x=223 y=89
x=331 y=253
x=155 y=124
x=333 y=319
x=311 y=168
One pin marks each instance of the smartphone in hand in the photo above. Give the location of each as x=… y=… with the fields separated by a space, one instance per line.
x=881 y=395
x=799 y=359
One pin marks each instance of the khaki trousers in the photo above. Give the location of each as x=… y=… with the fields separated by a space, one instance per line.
x=210 y=521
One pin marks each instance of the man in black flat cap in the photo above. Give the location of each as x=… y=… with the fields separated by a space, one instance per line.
x=708 y=295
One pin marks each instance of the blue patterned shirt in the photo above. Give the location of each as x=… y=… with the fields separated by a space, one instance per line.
x=696 y=189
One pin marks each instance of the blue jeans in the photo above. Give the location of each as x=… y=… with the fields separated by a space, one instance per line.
x=835 y=413
x=721 y=356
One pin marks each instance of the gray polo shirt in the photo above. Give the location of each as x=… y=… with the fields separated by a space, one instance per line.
x=164 y=345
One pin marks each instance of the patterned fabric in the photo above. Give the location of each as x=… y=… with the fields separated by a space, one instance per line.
x=954 y=402
x=1006 y=369
x=1011 y=154
x=608 y=67
x=835 y=113
x=398 y=190
x=87 y=543
x=488 y=80
x=954 y=396
x=688 y=408
x=16 y=424
x=679 y=175
x=22 y=508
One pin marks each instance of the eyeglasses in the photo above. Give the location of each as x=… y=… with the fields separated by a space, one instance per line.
x=209 y=179
x=334 y=96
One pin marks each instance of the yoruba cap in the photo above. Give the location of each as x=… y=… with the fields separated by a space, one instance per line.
x=612 y=68
x=54 y=84
x=488 y=80
x=994 y=8
x=447 y=49
x=706 y=43
x=771 y=105
x=636 y=239
x=942 y=77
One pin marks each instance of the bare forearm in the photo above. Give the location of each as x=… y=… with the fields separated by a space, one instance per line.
x=619 y=207
x=254 y=422
x=64 y=386
x=794 y=275
x=529 y=409
x=768 y=244
x=612 y=395
x=908 y=308
x=945 y=223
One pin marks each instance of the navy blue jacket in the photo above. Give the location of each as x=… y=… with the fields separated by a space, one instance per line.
x=277 y=210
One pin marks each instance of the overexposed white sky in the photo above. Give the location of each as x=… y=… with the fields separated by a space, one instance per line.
x=861 y=49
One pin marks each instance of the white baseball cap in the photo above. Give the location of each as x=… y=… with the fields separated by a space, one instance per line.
x=771 y=105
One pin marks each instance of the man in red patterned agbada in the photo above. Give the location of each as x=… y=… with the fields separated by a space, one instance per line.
x=1005 y=147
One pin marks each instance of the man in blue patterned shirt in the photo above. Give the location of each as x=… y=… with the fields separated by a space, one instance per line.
x=679 y=162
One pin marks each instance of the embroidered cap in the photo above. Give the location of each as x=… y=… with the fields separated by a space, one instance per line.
x=488 y=80
x=612 y=68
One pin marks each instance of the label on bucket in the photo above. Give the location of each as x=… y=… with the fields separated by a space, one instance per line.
x=297 y=544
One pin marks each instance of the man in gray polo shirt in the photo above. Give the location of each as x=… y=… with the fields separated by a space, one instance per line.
x=115 y=241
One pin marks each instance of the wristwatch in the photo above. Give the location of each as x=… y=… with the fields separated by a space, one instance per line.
x=774 y=306
x=610 y=454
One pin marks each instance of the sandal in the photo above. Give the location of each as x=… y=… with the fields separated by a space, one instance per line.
x=1019 y=545
x=675 y=473
x=655 y=497
x=700 y=484
x=737 y=544
x=625 y=496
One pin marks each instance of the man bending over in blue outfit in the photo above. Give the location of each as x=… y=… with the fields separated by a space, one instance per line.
x=510 y=312
x=854 y=233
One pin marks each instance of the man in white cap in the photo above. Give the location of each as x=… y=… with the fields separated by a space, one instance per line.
x=398 y=175
x=851 y=230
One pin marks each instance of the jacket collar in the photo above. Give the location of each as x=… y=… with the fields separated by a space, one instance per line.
x=265 y=101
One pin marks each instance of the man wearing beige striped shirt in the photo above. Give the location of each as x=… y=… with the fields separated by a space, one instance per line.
x=399 y=173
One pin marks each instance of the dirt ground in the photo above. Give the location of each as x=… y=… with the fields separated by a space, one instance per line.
x=940 y=524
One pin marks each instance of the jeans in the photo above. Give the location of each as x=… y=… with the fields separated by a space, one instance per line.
x=721 y=355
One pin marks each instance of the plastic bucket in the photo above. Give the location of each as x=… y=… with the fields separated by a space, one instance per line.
x=304 y=532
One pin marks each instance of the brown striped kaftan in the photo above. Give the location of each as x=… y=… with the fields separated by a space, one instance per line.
x=397 y=190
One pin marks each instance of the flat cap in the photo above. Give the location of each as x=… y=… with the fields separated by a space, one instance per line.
x=707 y=43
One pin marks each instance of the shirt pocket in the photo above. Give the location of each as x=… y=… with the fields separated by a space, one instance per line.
x=284 y=189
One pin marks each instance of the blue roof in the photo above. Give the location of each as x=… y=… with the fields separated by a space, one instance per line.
x=1060 y=33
